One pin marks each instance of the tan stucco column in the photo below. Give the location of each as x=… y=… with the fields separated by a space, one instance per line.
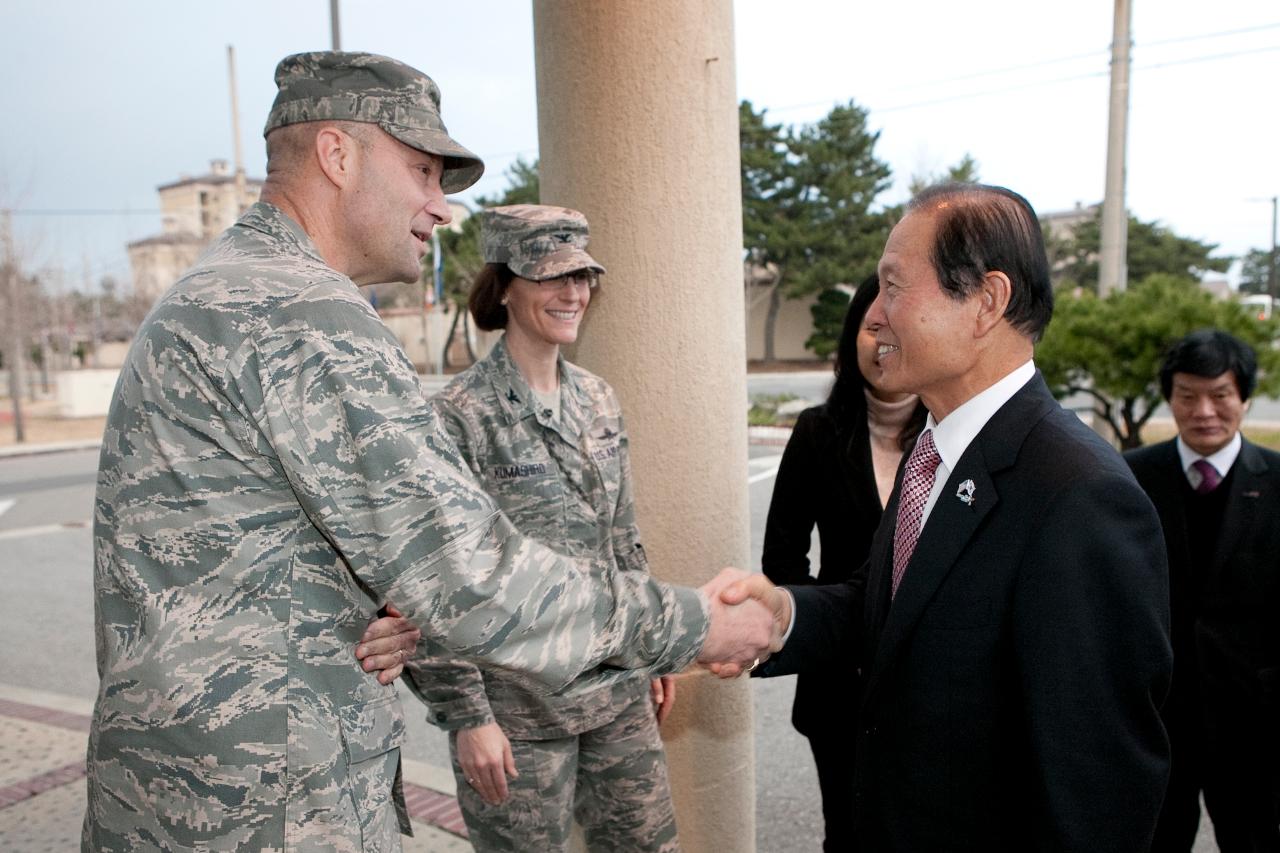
x=638 y=128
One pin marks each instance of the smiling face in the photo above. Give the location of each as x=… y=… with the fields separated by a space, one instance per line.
x=546 y=315
x=869 y=363
x=393 y=205
x=924 y=337
x=1207 y=410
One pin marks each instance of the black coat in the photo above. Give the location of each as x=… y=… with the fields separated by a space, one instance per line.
x=1012 y=692
x=1226 y=617
x=826 y=478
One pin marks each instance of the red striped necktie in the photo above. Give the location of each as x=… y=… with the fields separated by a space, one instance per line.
x=917 y=483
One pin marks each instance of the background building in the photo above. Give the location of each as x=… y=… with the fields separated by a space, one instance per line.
x=194 y=210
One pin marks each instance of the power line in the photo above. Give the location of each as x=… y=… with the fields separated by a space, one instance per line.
x=1194 y=59
x=1058 y=61
x=1020 y=86
x=1220 y=34
x=83 y=212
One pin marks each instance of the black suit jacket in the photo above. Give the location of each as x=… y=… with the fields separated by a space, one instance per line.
x=826 y=478
x=1226 y=617
x=1013 y=687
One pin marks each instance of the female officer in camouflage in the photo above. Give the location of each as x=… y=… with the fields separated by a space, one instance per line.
x=546 y=440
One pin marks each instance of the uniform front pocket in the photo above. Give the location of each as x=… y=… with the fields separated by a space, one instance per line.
x=372 y=733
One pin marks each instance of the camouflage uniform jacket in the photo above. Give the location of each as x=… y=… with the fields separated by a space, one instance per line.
x=270 y=475
x=565 y=481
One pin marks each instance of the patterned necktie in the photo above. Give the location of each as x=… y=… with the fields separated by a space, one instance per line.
x=1209 y=476
x=917 y=483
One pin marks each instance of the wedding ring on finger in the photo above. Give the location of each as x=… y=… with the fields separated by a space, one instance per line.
x=755 y=663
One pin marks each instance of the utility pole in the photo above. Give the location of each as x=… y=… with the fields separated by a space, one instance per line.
x=334 y=28
x=1113 y=267
x=241 y=201
x=16 y=378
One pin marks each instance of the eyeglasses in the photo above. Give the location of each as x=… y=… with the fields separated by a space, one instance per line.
x=587 y=278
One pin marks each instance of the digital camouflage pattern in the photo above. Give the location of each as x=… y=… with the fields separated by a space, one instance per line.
x=336 y=86
x=536 y=241
x=563 y=479
x=270 y=475
x=613 y=779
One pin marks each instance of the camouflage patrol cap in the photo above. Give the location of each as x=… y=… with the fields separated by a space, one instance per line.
x=333 y=85
x=536 y=241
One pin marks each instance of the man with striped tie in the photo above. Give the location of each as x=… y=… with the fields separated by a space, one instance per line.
x=1011 y=625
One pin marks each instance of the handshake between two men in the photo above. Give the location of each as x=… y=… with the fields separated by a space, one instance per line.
x=749 y=616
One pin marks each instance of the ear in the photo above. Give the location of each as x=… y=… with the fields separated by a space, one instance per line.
x=993 y=299
x=336 y=152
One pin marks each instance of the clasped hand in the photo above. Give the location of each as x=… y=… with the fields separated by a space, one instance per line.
x=387 y=643
x=748 y=617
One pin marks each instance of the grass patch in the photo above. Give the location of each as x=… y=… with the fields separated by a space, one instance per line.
x=1154 y=433
x=764 y=410
x=1264 y=437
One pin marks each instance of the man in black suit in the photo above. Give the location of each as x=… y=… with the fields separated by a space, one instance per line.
x=1218 y=496
x=1012 y=622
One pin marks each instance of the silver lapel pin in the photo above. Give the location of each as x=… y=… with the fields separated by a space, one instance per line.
x=965 y=492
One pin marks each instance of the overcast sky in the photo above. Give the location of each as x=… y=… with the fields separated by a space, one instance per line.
x=102 y=102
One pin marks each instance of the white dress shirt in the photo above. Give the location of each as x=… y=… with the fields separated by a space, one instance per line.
x=1221 y=460
x=952 y=437
x=957 y=430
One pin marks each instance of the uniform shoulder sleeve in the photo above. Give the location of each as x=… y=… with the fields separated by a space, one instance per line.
x=380 y=476
x=459 y=407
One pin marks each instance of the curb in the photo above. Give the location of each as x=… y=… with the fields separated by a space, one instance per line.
x=768 y=435
x=11 y=450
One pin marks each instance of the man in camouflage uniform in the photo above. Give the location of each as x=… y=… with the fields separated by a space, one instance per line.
x=558 y=467
x=271 y=475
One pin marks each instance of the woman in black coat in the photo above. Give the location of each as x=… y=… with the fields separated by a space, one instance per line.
x=837 y=472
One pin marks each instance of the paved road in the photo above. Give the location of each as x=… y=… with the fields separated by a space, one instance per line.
x=46 y=621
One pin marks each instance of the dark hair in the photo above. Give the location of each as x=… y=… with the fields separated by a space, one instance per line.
x=847 y=402
x=485 y=299
x=982 y=229
x=1211 y=353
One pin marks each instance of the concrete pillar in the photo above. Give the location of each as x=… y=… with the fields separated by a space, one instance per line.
x=638 y=128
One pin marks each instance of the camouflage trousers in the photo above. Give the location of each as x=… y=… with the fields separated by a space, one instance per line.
x=613 y=779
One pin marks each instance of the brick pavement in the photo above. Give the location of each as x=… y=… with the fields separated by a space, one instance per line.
x=43 y=738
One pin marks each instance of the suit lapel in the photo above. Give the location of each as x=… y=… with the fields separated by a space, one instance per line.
x=1241 y=511
x=1171 y=482
x=951 y=525
x=876 y=606
x=948 y=530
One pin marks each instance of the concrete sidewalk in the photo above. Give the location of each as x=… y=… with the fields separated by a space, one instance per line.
x=43 y=737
